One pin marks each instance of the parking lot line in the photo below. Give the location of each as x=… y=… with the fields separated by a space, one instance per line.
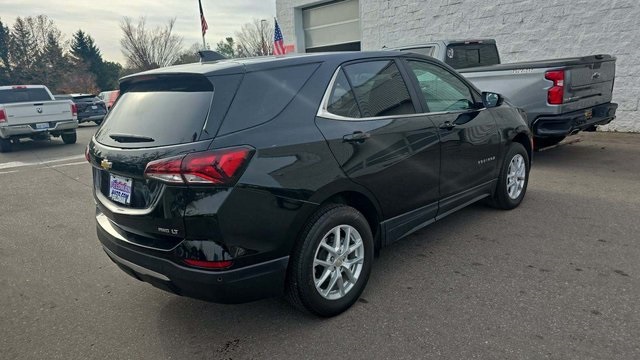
x=16 y=164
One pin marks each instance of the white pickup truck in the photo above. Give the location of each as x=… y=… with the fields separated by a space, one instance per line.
x=30 y=111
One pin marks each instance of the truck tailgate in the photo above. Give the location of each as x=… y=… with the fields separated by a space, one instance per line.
x=29 y=112
x=589 y=84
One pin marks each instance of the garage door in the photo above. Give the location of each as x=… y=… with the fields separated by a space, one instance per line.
x=332 y=27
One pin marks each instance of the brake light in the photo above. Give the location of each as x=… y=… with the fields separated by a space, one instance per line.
x=223 y=264
x=217 y=167
x=3 y=116
x=555 y=95
x=19 y=87
x=74 y=110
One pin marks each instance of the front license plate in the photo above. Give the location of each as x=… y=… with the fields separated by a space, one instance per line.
x=42 y=126
x=120 y=189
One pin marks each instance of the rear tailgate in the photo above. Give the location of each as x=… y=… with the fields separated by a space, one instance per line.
x=157 y=117
x=590 y=83
x=38 y=112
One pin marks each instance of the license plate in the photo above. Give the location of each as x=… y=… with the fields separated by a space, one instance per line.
x=588 y=114
x=120 y=189
x=42 y=126
x=94 y=107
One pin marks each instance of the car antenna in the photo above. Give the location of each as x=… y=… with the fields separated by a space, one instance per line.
x=210 y=55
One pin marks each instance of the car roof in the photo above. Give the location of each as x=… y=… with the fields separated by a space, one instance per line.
x=241 y=65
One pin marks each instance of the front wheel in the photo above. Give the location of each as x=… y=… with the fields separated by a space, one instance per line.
x=70 y=138
x=513 y=180
x=330 y=266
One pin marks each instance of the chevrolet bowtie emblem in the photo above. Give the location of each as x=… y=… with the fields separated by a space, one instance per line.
x=106 y=164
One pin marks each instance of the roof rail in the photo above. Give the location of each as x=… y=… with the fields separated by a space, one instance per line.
x=210 y=55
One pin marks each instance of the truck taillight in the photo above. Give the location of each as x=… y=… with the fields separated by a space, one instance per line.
x=216 y=167
x=74 y=110
x=3 y=116
x=555 y=95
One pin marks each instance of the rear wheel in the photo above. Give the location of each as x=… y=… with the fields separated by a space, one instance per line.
x=330 y=267
x=513 y=180
x=70 y=138
x=5 y=145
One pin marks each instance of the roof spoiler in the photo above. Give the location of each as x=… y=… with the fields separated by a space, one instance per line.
x=210 y=55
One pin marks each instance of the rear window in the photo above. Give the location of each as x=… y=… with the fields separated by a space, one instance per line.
x=23 y=95
x=163 y=110
x=471 y=55
x=88 y=98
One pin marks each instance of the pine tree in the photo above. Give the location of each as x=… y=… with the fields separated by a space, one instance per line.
x=56 y=66
x=5 y=66
x=23 y=54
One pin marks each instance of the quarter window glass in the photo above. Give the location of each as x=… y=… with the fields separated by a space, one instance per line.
x=379 y=89
x=342 y=102
x=442 y=91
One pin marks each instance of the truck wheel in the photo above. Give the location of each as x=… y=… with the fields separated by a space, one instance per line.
x=5 y=145
x=513 y=180
x=330 y=266
x=70 y=138
x=548 y=141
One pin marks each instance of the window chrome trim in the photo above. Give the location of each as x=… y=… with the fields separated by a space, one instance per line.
x=324 y=113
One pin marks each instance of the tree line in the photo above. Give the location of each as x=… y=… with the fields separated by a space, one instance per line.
x=34 y=51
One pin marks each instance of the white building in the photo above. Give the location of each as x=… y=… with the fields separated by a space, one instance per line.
x=523 y=29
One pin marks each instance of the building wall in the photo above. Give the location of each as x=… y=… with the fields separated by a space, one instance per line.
x=523 y=29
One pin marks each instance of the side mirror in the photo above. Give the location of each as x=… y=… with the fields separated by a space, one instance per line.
x=491 y=100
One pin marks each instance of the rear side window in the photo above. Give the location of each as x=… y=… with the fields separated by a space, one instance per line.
x=23 y=95
x=379 y=88
x=160 y=110
x=264 y=94
x=465 y=56
x=341 y=101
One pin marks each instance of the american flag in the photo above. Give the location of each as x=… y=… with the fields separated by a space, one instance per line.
x=203 y=21
x=278 y=42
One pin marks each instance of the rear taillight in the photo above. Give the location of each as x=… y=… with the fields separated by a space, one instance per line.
x=223 y=264
x=555 y=95
x=3 y=116
x=74 y=110
x=217 y=167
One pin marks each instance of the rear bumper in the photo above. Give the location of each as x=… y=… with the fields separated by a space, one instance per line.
x=91 y=118
x=229 y=286
x=30 y=129
x=566 y=124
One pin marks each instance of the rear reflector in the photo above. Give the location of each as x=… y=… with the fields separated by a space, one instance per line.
x=209 y=264
x=3 y=116
x=555 y=95
x=216 y=167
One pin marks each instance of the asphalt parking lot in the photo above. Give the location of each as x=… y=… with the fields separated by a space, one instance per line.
x=557 y=278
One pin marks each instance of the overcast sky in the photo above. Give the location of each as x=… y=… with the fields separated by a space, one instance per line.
x=224 y=17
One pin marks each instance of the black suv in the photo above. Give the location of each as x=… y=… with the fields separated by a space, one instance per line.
x=234 y=180
x=90 y=107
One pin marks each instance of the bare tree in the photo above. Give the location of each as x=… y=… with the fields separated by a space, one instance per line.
x=147 y=49
x=255 y=39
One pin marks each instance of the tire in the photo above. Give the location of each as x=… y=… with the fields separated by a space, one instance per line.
x=69 y=138
x=515 y=168
x=307 y=263
x=5 y=145
x=546 y=142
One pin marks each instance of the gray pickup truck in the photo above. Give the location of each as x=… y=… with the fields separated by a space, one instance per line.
x=30 y=111
x=560 y=97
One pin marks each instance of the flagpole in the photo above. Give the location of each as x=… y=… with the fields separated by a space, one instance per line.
x=204 y=44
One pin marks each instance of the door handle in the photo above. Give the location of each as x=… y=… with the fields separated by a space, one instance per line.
x=356 y=137
x=447 y=125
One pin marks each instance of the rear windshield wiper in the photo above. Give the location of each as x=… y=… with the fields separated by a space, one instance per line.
x=129 y=138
